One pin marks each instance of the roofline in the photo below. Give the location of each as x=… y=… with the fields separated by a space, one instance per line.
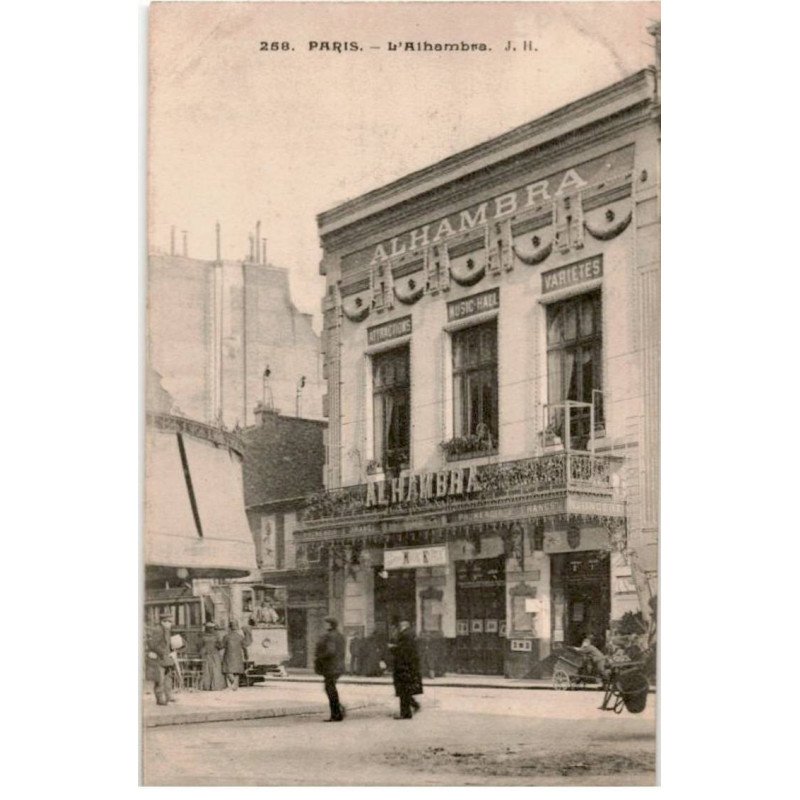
x=315 y=420
x=212 y=262
x=591 y=108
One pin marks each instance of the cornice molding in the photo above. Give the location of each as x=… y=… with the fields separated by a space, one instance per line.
x=481 y=184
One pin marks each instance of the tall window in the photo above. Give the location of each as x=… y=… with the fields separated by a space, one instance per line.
x=391 y=407
x=475 y=381
x=574 y=364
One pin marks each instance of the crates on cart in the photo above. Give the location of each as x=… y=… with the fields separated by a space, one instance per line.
x=572 y=669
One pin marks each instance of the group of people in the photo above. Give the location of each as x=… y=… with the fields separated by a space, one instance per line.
x=329 y=661
x=224 y=656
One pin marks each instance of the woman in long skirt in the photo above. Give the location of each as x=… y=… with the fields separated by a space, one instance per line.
x=235 y=644
x=211 y=651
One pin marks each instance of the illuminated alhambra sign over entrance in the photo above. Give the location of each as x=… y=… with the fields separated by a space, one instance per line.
x=427 y=486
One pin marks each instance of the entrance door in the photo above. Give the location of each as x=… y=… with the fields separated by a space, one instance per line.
x=584 y=581
x=587 y=614
x=395 y=600
x=480 y=615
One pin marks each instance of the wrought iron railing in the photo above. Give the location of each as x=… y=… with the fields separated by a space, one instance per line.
x=555 y=472
x=199 y=430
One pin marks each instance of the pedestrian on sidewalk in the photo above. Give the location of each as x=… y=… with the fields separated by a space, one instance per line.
x=356 y=649
x=235 y=646
x=405 y=670
x=160 y=665
x=211 y=650
x=329 y=662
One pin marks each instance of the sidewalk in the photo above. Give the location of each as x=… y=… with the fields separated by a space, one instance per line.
x=460 y=681
x=454 y=680
x=264 y=701
x=254 y=702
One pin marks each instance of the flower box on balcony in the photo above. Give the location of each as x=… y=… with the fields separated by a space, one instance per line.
x=392 y=465
x=460 y=448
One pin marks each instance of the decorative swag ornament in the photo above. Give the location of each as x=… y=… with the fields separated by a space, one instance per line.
x=355 y=308
x=495 y=254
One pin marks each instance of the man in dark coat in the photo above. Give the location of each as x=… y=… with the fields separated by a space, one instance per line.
x=234 y=658
x=405 y=670
x=160 y=664
x=356 y=650
x=329 y=662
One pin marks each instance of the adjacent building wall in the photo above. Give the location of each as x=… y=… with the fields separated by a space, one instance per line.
x=213 y=329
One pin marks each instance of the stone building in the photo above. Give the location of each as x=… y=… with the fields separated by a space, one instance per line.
x=222 y=337
x=491 y=346
x=283 y=463
x=216 y=326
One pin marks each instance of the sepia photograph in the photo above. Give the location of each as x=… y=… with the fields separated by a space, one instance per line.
x=401 y=438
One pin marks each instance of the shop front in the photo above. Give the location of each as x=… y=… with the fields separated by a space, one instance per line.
x=494 y=580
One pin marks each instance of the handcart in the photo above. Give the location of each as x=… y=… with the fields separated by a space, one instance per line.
x=574 y=669
x=626 y=686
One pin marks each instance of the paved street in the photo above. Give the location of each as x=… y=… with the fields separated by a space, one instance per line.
x=462 y=737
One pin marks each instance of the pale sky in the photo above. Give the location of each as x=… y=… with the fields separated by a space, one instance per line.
x=239 y=135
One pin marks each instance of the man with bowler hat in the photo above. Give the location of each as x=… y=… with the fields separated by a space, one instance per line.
x=405 y=670
x=160 y=665
x=329 y=662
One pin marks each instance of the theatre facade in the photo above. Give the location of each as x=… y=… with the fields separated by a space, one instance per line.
x=491 y=346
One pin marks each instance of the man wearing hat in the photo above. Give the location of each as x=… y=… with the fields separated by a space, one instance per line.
x=160 y=664
x=329 y=662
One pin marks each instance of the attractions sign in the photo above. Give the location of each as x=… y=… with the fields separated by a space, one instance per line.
x=389 y=330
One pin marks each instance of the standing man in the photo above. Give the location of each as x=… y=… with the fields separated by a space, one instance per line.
x=405 y=671
x=356 y=648
x=234 y=657
x=160 y=664
x=329 y=662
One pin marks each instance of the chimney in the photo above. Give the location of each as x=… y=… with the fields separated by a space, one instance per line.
x=251 y=248
x=185 y=244
x=172 y=241
x=219 y=245
x=258 y=241
x=264 y=251
x=265 y=414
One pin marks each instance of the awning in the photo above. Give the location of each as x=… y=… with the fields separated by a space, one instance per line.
x=194 y=507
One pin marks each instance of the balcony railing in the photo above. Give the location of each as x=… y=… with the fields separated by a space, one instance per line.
x=565 y=471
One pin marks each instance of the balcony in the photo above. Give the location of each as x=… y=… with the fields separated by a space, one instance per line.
x=551 y=475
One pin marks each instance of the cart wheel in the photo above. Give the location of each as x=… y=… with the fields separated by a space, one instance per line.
x=561 y=680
